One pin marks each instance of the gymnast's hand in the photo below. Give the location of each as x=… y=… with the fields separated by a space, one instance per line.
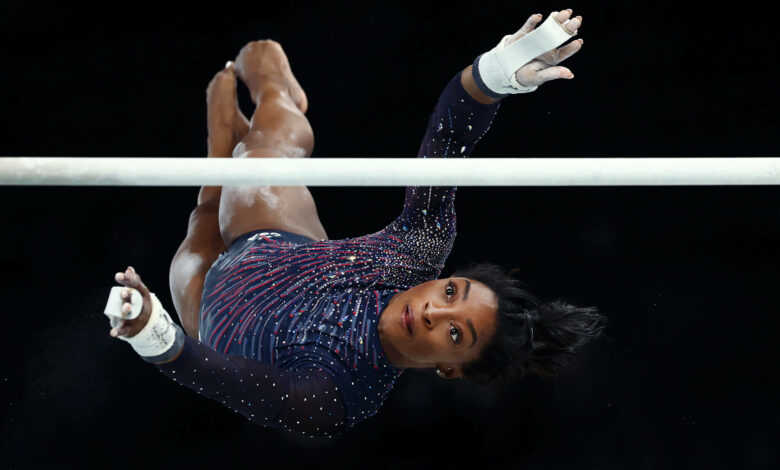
x=545 y=67
x=131 y=327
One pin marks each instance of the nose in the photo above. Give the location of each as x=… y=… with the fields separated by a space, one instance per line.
x=432 y=314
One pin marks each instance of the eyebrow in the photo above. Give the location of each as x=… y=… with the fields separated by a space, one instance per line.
x=473 y=331
x=468 y=321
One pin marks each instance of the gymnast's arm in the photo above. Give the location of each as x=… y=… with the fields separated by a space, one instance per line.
x=470 y=85
x=461 y=116
x=465 y=111
x=305 y=400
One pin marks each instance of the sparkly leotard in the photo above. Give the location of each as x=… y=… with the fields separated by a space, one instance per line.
x=288 y=328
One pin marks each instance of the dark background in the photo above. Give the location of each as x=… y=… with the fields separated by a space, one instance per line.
x=688 y=275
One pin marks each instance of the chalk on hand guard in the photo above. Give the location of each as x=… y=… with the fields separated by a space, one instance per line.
x=114 y=306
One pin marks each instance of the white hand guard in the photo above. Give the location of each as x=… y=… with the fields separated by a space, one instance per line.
x=156 y=341
x=113 y=308
x=494 y=71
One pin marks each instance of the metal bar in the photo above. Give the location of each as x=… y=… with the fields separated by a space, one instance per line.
x=114 y=171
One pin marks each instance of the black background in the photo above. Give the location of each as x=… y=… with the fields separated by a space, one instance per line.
x=687 y=275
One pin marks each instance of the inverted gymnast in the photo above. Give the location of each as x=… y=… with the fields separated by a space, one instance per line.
x=299 y=332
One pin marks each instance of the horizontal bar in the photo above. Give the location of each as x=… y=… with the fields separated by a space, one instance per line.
x=101 y=171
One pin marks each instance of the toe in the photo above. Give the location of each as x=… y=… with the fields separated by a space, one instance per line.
x=225 y=77
x=223 y=85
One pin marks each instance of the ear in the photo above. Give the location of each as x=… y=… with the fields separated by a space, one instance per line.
x=448 y=372
x=455 y=374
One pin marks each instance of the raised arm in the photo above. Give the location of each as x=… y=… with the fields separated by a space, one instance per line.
x=518 y=64
x=426 y=225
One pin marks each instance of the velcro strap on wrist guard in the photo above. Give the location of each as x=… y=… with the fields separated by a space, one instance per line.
x=494 y=71
x=158 y=336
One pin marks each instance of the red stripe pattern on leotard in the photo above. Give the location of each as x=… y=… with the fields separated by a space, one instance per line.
x=305 y=312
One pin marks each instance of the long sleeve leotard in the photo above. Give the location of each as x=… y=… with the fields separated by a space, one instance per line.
x=288 y=331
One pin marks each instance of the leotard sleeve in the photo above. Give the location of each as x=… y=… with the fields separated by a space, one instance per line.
x=427 y=223
x=305 y=401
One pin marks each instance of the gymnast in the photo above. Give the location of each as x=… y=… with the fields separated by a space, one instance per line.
x=299 y=332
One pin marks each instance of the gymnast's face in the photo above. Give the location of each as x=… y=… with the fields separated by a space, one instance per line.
x=451 y=321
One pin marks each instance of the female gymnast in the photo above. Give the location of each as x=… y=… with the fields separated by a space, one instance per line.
x=299 y=332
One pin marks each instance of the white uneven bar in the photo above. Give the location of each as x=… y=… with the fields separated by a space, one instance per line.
x=69 y=171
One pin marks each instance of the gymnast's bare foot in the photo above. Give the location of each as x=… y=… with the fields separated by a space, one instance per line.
x=263 y=63
x=227 y=125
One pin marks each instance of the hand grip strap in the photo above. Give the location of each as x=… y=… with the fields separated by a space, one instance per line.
x=159 y=340
x=494 y=71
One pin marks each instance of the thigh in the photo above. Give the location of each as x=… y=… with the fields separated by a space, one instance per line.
x=289 y=208
x=192 y=261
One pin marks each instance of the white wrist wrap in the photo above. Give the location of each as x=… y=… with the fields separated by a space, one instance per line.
x=159 y=334
x=494 y=71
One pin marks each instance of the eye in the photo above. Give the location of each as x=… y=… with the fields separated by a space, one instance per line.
x=450 y=287
x=455 y=334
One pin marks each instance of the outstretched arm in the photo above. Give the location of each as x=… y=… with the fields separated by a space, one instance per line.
x=425 y=229
x=305 y=400
x=463 y=114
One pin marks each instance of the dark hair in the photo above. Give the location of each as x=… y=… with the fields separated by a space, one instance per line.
x=530 y=335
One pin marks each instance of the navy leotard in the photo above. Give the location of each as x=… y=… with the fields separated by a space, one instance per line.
x=288 y=328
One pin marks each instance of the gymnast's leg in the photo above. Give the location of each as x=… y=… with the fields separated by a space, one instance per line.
x=279 y=129
x=203 y=244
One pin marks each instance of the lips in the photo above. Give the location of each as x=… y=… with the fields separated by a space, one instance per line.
x=407 y=318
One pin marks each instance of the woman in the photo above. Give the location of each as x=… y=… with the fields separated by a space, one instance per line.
x=300 y=332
